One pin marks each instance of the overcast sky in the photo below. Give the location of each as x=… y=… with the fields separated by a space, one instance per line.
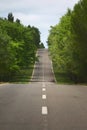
x=39 y=13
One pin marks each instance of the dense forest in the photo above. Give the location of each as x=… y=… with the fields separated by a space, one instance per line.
x=18 y=46
x=67 y=43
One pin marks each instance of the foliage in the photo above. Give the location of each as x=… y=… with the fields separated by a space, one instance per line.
x=18 y=46
x=41 y=45
x=10 y=17
x=79 y=28
x=67 y=43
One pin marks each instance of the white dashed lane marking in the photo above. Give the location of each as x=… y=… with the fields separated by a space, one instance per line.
x=43 y=89
x=44 y=110
x=43 y=96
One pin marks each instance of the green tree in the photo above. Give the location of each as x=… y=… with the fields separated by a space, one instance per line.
x=41 y=45
x=18 y=46
x=7 y=57
x=79 y=29
x=18 y=21
x=10 y=17
x=67 y=43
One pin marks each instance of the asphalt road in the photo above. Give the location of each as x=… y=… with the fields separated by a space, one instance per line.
x=42 y=104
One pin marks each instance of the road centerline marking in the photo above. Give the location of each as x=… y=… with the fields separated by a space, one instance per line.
x=43 y=96
x=43 y=89
x=44 y=110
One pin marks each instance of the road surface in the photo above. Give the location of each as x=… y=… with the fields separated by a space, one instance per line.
x=42 y=104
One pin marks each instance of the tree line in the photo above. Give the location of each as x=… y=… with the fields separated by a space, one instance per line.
x=67 y=43
x=18 y=46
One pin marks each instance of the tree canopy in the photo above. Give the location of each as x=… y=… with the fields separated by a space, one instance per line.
x=67 y=43
x=18 y=46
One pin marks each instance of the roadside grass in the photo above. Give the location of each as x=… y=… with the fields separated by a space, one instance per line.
x=23 y=76
x=61 y=77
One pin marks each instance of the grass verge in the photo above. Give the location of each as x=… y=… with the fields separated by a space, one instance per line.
x=23 y=76
x=61 y=77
